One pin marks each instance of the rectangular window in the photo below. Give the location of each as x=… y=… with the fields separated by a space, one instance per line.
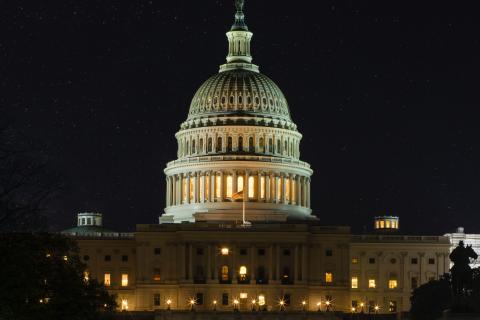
x=414 y=260
x=262 y=187
x=371 y=260
x=243 y=295
x=392 y=306
x=354 y=260
x=199 y=251
x=124 y=279
x=261 y=300
x=108 y=257
x=199 y=298
x=431 y=260
x=354 y=282
x=328 y=277
x=124 y=304
x=192 y=188
x=156 y=274
x=286 y=252
x=392 y=284
x=156 y=299
x=287 y=299
x=124 y=258
x=371 y=283
x=157 y=251
x=414 y=282
x=106 y=279
x=251 y=187
x=243 y=252
x=225 y=299
x=329 y=252
x=261 y=252
x=218 y=185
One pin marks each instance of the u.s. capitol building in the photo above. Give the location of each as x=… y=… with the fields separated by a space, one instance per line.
x=238 y=232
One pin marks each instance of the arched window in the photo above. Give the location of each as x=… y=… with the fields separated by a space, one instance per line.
x=240 y=144
x=243 y=273
x=270 y=145
x=193 y=147
x=285 y=150
x=262 y=145
x=279 y=147
x=251 y=147
x=200 y=147
x=240 y=182
x=229 y=144
x=187 y=149
x=224 y=273
x=240 y=99
x=219 y=144
x=209 y=145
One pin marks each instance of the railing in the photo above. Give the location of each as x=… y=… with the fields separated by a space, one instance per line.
x=393 y=238
x=194 y=160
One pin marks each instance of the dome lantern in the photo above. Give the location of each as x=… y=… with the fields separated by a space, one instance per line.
x=239 y=38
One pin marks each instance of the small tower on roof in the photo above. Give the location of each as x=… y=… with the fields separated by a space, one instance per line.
x=386 y=223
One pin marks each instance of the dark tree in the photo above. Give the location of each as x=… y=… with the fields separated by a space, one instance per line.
x=431 y=299
x=27 y=183
x=42 y=277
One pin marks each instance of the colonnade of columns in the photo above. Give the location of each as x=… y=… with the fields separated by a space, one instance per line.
x=219 y=186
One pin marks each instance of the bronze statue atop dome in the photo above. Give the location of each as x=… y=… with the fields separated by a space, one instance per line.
x=461 y=271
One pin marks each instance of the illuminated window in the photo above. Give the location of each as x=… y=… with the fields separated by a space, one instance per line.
x=239 y=183
x=328 y=277
x=243 y=273
x=354 y=282
x=192 y=188
x=354 y=260
x=86 y=275
x=156 y=274
x=124 y=304
x=262 y=187
x=392 y=284
x=225 y=276
x=251 y=187
x=202 y=186
x=371 y=283
x=377 y=224
x=387 y=224
x=243 y=295
x=229 y=188
x=124 y=279
x=261 y=300
x=382 y=224
x=184 y=189
x=106 y=279
x=279 y=188
x=224 y=251
x=218 y=185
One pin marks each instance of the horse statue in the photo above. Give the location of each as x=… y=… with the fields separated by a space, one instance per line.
x=461 y=272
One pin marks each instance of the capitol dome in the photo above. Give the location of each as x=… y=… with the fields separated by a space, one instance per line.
x=239 y=92
x=238 y=150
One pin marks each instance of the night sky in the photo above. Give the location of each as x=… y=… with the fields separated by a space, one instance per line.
x=386 y=94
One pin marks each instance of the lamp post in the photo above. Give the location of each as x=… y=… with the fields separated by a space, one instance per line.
x=319 y=305
x=169 y=302
x=235 y=305
x=253 y=304
x=328 y=304
x=281 y=303
x=304 y=305
x=362 y=305
x=192 y=304
x=214 y=305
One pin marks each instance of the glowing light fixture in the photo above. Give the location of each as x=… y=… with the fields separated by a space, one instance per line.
x=224 y=251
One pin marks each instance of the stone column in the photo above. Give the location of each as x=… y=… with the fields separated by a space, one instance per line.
x=298 y=199
x=180 y=188
x=267 y=186
x=196 y=182
x=422 y=267
x=188 y=188
x=234 y=182
x=167 y=194
x=308 y=193
x=284 y=180
x=304 y=191
x=211 y=195
x=403 y=272
x=275 y=191
x=202 y=186
x=259 y=186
